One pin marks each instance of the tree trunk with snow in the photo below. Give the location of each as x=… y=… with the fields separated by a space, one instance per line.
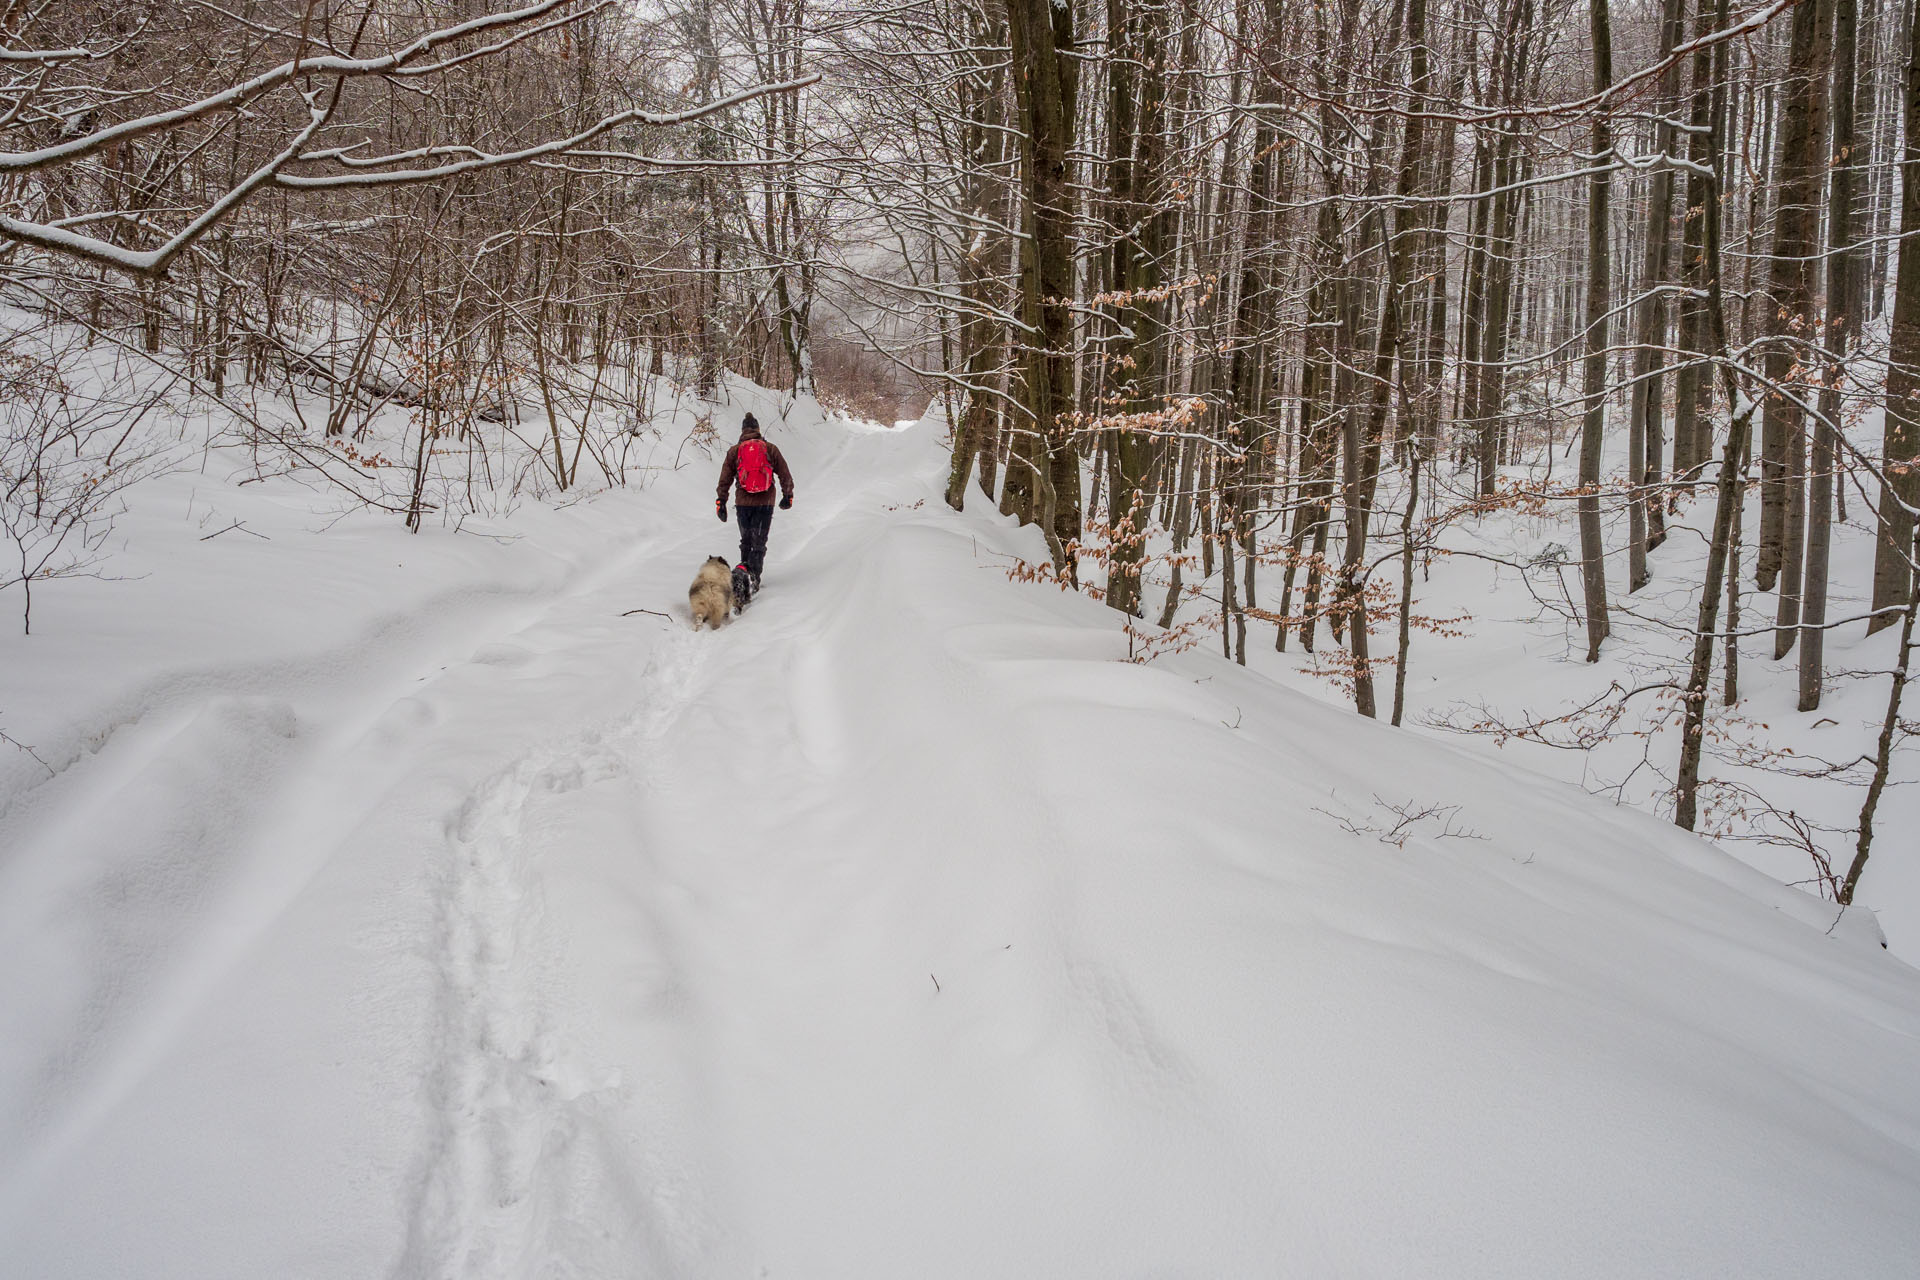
x=1893 y=565
x=1593 y=561
x=1137 y=94
x=1645 y=512
x=1791 y=321
x=1840 y=320
x=1045 y=80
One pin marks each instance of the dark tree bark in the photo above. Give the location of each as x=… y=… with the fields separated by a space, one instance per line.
x=1645 y=513
x=1487 y=409
x=1883 y=749
x=1363 y=443
x=1893 y=564
x=1593 y=562
x=1790 y=317
x=1249 y=372
x=983 y=100
x=1318 y=419
x=1693 y=382
x=1046 y=83
x=1141 y=215
x=1840 y=320
x=1728 y=496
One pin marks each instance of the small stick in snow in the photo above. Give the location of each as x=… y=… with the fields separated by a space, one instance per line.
x=51 y=773
x=241 y=526
x=936 y=984
x=655 y=612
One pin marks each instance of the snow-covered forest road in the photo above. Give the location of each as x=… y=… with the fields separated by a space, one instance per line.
x=901 y=929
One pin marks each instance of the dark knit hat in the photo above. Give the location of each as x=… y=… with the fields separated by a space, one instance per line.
x=749 y=423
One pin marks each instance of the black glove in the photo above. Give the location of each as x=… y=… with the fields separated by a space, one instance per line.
x=786 y=502
x=720 y=509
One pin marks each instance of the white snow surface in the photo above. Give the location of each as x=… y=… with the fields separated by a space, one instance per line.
x=382 y=905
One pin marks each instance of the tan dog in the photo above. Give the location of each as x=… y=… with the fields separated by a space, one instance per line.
x=711 y=595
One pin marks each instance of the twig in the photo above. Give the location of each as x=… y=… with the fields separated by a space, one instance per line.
x=1407 y=817
x=655 y=612
x=18 y=745
x=241 y=526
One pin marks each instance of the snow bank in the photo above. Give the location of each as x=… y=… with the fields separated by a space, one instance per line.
x=1778 y=783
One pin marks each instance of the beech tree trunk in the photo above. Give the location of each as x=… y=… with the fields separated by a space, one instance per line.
x=1893 y=564
x=1141 y=215
x=1593 y=562
x=1693 y=382
x=1645 y=511
x=1790 y=316
x=1840 y=321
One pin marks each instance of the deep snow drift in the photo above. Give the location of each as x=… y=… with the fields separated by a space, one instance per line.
x=396 y=906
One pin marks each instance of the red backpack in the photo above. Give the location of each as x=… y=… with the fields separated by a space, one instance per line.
x=755 y=470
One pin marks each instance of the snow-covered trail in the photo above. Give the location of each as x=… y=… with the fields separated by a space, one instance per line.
x=897 y=930
x=202 y=858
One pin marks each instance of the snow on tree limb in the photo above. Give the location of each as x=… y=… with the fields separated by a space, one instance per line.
x=319 y=80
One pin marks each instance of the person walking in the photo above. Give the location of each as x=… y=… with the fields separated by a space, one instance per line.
x=751 y=467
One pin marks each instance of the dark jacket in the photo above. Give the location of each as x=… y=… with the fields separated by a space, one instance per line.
x=730 y=472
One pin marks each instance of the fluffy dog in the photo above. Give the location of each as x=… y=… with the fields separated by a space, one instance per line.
x=711 y=595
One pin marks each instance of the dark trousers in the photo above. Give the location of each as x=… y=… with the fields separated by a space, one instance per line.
x=755 y=524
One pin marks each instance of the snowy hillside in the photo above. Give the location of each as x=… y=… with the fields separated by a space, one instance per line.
x=413 y=906
x=1502 y=671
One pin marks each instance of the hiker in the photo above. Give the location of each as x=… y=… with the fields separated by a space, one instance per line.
x=750 y=469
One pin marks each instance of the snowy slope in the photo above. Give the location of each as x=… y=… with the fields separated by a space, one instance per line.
x=1511 y=651
x=442 y=921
